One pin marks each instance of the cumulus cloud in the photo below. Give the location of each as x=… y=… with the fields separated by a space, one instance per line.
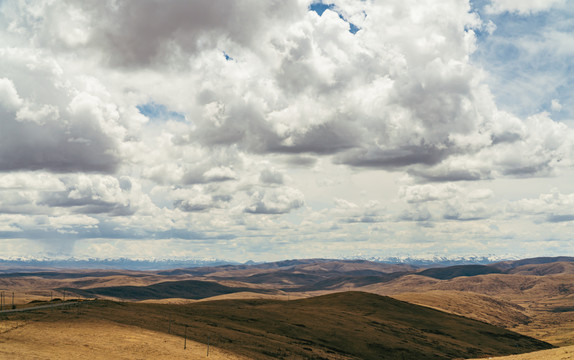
x=216 y=120
x=271 y=177
x=553 y=207
x=275 y=201
x=62 y=128
x=347 y=212
x=428 y=192
x=95 y=195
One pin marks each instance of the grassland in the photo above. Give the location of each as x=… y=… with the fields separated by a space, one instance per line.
x=350 y=325
x=244 y=309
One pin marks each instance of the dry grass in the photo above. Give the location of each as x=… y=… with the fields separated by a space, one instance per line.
x=534 y=299
x=475 y=306
x=96 y=339
x=564 y=353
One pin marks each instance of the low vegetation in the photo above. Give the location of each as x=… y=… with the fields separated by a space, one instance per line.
x=354 y=325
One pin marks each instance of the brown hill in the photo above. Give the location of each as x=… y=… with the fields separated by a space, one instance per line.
x=187 y=289
x=544 y=269
x=547 y=299
x=338 y=326
x=451 y=272
x=94 y=339
x=563 y=353
x=475 y=306
x=505 y=286
x=507 y=265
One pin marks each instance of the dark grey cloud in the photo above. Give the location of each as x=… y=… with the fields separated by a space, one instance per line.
x=85 y=205
x=399 y=157
x=459 y=217
x=202 y=203
x=202 y=175
x=301 y=161
x=325 y=139
x=418 y=215
x=242 y=124
x=261 y=208
x=519 y=170
x=506 y=137
x=431 y=175
x=271 y=177
x=559 y=218
x=92 y=196
x=188 y=206
x=47 y=122
x=138 y=33
x=363 y=219
x=55 y=147
x=246 y=126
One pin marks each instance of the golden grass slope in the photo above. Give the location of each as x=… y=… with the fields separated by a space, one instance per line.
x=96 y=339
x=564 y=353
x=475 y=306
x=506 y=286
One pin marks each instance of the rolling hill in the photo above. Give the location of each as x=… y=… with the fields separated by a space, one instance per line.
x=451 y=272
x=350 y=325
x=188 y=289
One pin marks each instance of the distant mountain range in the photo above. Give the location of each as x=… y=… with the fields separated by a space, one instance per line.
x=121 y=264
x=164 y=264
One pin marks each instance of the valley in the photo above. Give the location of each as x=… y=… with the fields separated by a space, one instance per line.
x=317 y=308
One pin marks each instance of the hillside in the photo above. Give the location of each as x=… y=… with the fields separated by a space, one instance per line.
x=94 y=339
x=475 y=306
x=554 y=268
x=451 y=272
x=563 y=353
x=337 y=326
x=188 y=289
x=507 y=265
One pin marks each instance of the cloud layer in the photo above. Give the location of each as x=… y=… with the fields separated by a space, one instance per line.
x=270 y=130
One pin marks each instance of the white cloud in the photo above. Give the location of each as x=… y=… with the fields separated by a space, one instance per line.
x=522 y=7
x=275 y=112
x=553 y=207
x=9 y=96
x=275 y=201
x=428 y=192
x=555 y=105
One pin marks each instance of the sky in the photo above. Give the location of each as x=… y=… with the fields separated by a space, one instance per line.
x=268 y=130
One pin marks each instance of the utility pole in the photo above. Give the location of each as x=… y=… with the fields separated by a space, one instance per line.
x=185 y=338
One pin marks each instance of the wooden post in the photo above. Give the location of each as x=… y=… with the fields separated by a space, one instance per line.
x=185 y=338
x=207 y=345
x=13 y=306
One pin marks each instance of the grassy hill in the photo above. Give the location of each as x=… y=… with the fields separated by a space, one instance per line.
x=451 y=272
x=351 y=325
x=188 y=289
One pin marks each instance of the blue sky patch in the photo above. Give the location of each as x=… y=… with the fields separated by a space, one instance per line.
x=523 y=78
x=159 y=111
x=320 y=8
